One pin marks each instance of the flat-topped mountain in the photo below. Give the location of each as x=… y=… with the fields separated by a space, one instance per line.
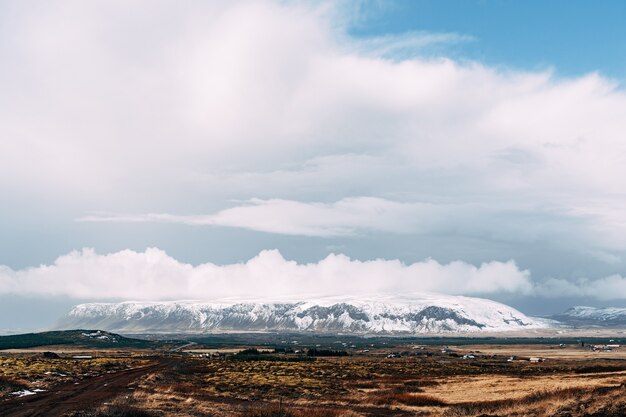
x=417 y=314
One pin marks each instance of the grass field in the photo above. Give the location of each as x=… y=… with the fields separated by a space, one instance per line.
x=375 y=385
x=403 y=379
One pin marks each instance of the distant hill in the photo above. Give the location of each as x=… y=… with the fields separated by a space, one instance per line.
x=582 y=316
x=412 y=314
x=83 y=338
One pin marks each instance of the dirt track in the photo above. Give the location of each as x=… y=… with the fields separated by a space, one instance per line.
x=73 y=397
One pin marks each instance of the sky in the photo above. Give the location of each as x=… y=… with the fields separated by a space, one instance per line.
x=158 y=150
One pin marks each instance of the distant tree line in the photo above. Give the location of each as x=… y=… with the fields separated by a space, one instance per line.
x=326 y=352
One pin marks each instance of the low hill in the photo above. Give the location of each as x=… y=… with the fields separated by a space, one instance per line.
x=83 y=338
x=582 y=316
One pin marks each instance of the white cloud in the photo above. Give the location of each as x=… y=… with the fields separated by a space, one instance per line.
x=612 y=287
x=343 y=218
x=357 y=216
x=409 y=44
x=156 y=107
x=153 y=275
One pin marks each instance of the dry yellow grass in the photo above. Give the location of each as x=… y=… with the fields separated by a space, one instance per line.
x=455 y=390
x=571 y=384
x=35 y=371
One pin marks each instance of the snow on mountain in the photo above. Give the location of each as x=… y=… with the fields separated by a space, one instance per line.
x=592 y=316
x=423 y=313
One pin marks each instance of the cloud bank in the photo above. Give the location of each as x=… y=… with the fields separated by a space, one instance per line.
x=153 y=275
x=157 y=107
x=120 y=109
x=612 y=287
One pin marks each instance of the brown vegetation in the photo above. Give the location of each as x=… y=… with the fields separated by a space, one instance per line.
x=35 y=371
x=365 y=385
x=274 y=410
x=419 y=400
x=7 y=386
x=118 y=410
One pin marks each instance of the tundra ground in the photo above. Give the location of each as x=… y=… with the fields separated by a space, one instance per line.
x=403 y=380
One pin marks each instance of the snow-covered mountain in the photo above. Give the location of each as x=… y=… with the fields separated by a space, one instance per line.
x=591 y=316
x=423 y=313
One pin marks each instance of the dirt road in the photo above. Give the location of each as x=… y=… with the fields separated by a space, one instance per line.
x=77 y=396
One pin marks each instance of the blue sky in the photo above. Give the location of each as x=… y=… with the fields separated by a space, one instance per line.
x=448 y=142
x=570 y=37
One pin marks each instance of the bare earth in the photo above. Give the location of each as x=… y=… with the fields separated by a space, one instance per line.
x=82 y=395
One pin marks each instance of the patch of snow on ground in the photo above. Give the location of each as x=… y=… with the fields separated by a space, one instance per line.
x=26 y=392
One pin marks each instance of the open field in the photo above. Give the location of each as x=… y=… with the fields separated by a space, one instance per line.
x=550 y=352
x=402 y=379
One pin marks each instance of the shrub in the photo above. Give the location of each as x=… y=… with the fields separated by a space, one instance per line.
x=250 y=351
x=326 y=352
x=281 y=411
x=421 y=383
x=6 y=385
x=267 y=411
